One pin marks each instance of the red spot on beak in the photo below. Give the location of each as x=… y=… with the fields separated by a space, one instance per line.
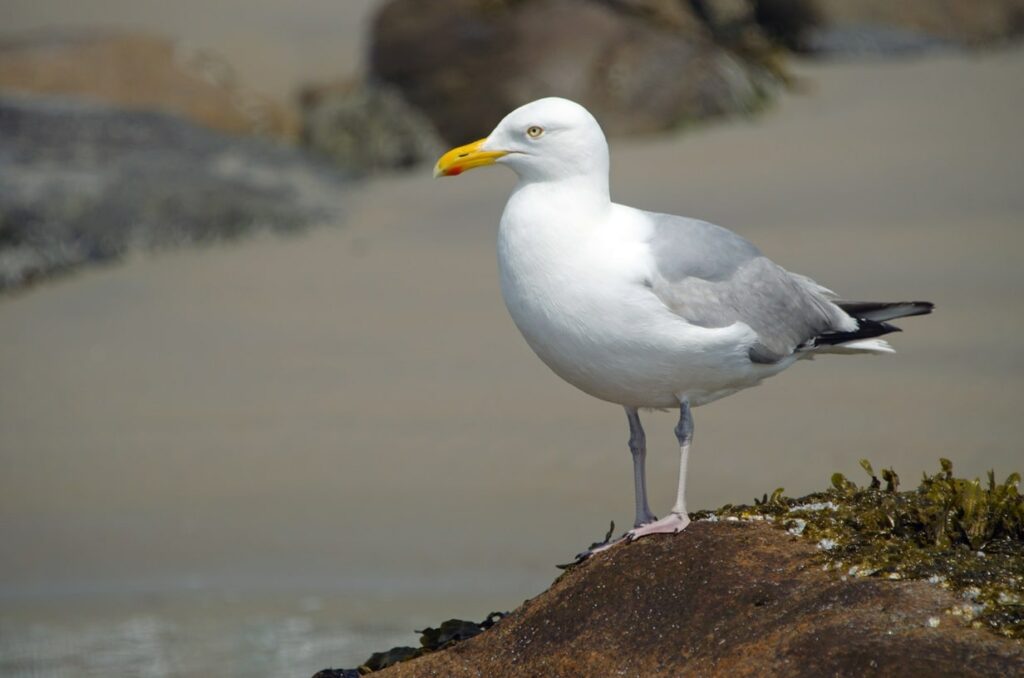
x=454 y=171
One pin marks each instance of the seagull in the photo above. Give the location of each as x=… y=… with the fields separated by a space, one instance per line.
x=640 y=309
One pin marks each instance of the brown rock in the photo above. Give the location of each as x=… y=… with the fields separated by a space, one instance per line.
x=140 y=71
x=638 y=65
x=724 y=599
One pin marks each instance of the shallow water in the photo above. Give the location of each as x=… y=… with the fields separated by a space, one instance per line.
x=190 y=635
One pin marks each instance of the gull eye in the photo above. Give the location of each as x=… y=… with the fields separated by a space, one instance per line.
x=534 y=132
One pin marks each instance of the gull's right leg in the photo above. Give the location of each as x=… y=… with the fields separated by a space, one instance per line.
x=638 y=448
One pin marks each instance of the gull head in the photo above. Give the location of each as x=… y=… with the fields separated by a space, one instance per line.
x=545 y=140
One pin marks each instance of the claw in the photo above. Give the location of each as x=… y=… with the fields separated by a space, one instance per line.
x=596 y=547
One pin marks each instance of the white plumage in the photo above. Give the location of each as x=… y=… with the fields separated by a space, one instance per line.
x=640 y=309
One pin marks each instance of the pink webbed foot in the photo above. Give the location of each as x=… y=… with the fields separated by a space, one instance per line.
x=670 y=524
x=673 y=523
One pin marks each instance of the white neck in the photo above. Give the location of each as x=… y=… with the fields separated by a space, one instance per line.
x=572 y=197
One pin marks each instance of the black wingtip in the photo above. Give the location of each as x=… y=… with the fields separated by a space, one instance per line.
x=885 y=310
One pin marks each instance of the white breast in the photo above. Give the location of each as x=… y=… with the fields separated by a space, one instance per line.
x=573 y=283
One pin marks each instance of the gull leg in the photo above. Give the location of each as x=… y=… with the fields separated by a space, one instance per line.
x=646 y=524
x=638 y=448
x=677 y=520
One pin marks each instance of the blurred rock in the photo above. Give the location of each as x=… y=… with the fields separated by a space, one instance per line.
x=639 y=65
x=863 y=40
x=888 y=27
x=142 y=72
x=367 y=128
x=788 y=22
x=668 y=13
x=723 y=15
x=964 y=22
x=84 y=183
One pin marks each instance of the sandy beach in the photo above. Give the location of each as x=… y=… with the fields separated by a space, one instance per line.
x=350 y=414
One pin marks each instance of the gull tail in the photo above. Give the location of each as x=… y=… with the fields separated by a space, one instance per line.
x=871 y=317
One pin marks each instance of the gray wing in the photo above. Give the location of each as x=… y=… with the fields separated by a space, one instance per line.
x=712 y=278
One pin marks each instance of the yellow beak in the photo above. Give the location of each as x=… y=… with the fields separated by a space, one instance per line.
x=458 y=160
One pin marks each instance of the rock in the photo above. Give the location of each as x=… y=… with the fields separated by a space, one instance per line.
x=85 y=182
x=725 y=598
x=963 y=22
x=639 y=65
x=889 y=27
x=788 y=22
x=367 y=128
x=668 y=13
x=723 y=15
x=141 y=72
x=869 y=41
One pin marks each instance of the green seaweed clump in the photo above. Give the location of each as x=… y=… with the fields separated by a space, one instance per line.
x=962 y=534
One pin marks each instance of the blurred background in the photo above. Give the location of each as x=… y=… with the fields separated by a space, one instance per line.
x=261 y=408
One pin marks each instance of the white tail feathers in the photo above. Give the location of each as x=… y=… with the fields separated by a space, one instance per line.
x=858 y=346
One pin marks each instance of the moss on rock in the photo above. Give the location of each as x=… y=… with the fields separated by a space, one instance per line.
x=961 y=534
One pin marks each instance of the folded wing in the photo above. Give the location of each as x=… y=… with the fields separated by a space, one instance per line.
x=712 y=277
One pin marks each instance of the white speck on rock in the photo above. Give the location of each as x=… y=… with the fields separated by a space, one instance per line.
x=816 y=506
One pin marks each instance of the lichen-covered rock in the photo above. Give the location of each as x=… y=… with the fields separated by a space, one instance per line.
x=725 y=598
x=83 y=183
x=639 y=65
x=367 y=128
x=141 y=71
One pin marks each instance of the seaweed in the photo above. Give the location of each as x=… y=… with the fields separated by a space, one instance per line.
x=431 y=639
x=455 y=631
x=964 y=535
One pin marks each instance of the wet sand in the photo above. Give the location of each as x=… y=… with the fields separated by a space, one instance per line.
x=351 y=412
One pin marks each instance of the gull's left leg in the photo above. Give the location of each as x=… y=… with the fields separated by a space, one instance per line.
x=677 y=520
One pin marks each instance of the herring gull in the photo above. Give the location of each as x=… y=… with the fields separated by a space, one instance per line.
x=641 y=309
